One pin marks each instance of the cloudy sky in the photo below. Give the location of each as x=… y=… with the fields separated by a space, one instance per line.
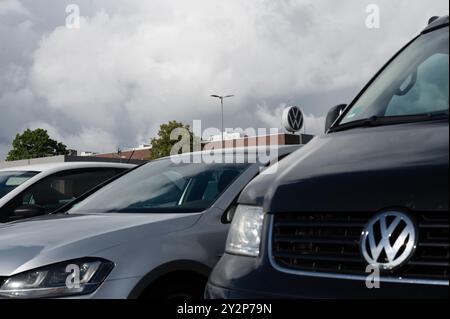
x=134 y=64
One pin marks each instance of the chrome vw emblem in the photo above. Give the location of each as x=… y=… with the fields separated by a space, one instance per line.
x=389 y=240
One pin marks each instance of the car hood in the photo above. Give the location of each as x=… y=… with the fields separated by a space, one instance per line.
x=37 y=242
x=365 y=169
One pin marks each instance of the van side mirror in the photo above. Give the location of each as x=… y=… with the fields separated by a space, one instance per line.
x=28 y=211
x=432 y=19
x=333 y=115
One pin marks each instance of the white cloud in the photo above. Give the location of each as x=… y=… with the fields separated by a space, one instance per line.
x=88 y=139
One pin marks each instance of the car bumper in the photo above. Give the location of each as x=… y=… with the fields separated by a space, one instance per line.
x=215 y=292
x=237 y=277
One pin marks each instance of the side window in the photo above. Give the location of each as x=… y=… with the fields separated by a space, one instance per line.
x=57 y=190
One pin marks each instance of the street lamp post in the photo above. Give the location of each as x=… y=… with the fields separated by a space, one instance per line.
x=221 y=98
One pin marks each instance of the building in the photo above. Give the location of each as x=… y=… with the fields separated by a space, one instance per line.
x=226 y=136
x=88 y=153
x=140 y=153
x=275 y=139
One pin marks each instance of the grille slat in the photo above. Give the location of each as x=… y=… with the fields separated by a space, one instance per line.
x=325 y=242
x=330 y=241
x=320 y=224
x=428 y=263
x=433 y=226
x=434 y=244
x=319 y=258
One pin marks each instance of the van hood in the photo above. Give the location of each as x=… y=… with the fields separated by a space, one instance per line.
x=29 y=244
x=364 y=169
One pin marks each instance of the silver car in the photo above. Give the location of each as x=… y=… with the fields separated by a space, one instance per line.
x=155 y=232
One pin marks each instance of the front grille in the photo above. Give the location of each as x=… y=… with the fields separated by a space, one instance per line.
x=330 y=243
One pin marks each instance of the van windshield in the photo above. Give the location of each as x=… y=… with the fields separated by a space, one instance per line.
x=163 y=186
x=415 y=83
x=10 y=180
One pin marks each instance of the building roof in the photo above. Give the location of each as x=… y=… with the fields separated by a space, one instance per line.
x=138 y=154
x=263 y=140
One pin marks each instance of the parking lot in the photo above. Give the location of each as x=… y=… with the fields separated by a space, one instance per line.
x=296 y=201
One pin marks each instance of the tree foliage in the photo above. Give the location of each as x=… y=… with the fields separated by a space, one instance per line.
x=173 y=136
x=34 y=144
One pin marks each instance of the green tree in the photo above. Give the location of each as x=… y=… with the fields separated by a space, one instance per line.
x=35 y=144
x=173 y=136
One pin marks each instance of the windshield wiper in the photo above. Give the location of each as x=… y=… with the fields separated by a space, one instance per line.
x=390 y=120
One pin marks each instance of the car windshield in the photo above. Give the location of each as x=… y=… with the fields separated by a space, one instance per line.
x=11 y=180
x=163 y=186
x=415 y=83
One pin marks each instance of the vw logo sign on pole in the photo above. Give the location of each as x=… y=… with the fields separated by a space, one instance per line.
x=389 y=240
x=292 y=119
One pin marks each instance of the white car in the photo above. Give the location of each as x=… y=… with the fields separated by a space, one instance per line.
x=41 y=189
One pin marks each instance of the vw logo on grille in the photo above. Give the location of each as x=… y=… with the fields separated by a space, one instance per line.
x=292 y=119
x=389 y=240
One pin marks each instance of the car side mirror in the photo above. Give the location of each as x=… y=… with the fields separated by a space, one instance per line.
x=28 y=211
x=333 y=115
x=227 y=218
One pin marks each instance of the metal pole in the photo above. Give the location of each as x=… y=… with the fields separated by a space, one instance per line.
x=222 y=97
x=223 y=138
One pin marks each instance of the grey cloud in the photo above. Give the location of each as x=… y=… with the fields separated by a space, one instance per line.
x=136 y=64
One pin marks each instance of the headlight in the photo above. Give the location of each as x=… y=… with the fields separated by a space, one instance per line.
x=71 y=278
x=244 y=237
